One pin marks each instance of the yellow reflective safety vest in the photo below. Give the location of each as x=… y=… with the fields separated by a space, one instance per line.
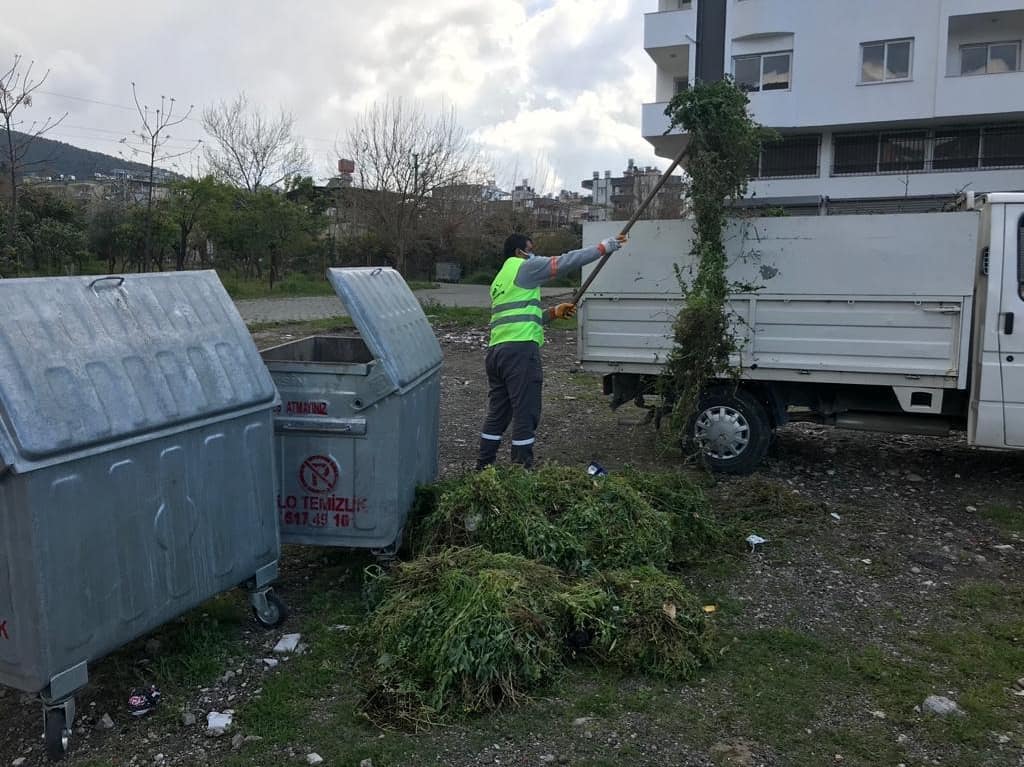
x=516 y=313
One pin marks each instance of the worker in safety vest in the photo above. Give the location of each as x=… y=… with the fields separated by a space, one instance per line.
x=514 y=374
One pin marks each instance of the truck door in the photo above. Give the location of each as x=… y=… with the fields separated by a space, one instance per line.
x=1011 y=324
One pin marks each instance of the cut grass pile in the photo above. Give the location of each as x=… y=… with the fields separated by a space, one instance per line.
x=468 y=631
x=566 y=519
x=517 y=573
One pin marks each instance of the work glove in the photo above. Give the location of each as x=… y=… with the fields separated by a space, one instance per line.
x=565 y=311
x=612 y=244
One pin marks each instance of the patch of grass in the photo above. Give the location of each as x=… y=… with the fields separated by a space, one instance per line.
x=780 y=683
x=310 y=701
x=292 y=286
x=195 y=648
x=1009 y=520
x=457 y=316
x=755 y=499
x=309 y=327
x=193 y=651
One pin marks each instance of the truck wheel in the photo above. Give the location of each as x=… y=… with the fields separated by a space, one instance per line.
x=731 y=431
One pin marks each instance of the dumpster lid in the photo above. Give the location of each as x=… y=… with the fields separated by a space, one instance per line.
x=86 y=361
x=390 y=320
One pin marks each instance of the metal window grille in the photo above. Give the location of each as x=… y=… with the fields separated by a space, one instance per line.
x=942 y=149
x=791 y=157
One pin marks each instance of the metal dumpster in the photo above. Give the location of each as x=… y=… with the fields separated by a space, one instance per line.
x=357 y=428
x=136 y=470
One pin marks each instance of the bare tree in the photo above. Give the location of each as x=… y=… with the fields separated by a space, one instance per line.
x=251 y=149
x=16 y=89
x=154 y=135
x=404 y=158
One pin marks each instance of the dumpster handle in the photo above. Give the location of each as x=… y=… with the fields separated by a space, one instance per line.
x=376 y=271
x=289 y=427
x=120 y=280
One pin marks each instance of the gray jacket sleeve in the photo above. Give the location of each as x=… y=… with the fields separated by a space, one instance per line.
x=539 y=270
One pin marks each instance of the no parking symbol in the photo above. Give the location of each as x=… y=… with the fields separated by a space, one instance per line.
x=319 y=474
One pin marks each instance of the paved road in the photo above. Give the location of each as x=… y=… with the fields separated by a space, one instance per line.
x=319 y=307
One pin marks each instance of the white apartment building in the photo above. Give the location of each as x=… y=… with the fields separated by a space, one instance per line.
x=874 y=99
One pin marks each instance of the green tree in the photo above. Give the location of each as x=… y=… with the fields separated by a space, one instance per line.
x=59 y=247
x=51 y=234
x=263 y=233
x=190 y=201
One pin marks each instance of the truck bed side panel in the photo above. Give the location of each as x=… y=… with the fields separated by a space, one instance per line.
x=878 y=296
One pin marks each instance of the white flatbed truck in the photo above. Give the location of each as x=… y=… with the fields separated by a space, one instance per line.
x=900 y=323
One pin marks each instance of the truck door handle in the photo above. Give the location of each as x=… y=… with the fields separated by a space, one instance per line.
x=1008 y=324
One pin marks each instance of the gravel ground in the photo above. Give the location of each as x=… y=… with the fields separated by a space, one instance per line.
x=897 y=532
x=321 y=307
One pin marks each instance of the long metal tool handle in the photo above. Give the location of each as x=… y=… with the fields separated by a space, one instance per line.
x=629 y=224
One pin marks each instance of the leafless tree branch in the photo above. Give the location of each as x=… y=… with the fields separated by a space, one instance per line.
x=154 y=137
x=16 y=89
x=411 y=166
x=251 y=149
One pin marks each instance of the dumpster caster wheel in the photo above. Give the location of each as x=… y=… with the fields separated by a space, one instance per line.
x=58 y=734
x=275 y=613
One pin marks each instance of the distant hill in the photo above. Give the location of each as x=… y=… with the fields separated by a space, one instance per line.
x=47 y=157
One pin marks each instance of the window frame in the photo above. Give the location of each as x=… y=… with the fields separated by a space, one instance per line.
x=988 y=57
x=885 y=61
x=760 y=72
x=817 y=140
x=983 y=160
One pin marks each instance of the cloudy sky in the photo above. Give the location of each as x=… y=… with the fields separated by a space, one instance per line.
x=550 y=88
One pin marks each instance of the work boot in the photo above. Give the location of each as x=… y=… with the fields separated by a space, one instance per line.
x=488 y=453
x=523 y=455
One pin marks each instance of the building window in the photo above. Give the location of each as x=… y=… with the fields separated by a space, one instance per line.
x=902 y=152
x=680 y=85
x=989 y=58
x=790 y=157
x=764 y=71
x=956 y=148
x=1002 y=146
x=886 y=61
x=944 y=149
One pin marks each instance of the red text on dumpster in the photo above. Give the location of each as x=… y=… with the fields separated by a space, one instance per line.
x=305 y=407
x=313 y=511
x=318 y=474
x=3 y=630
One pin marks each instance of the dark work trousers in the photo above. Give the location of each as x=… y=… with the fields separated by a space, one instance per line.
x=514 y=379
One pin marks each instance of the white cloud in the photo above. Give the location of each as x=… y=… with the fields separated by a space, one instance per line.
x=558 y=78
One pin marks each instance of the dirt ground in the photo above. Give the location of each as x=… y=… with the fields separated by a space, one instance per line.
x=900 y=578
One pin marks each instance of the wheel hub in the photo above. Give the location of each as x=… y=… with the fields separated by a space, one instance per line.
x=722 y=432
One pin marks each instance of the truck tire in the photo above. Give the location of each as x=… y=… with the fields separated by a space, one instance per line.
x=731 y=431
